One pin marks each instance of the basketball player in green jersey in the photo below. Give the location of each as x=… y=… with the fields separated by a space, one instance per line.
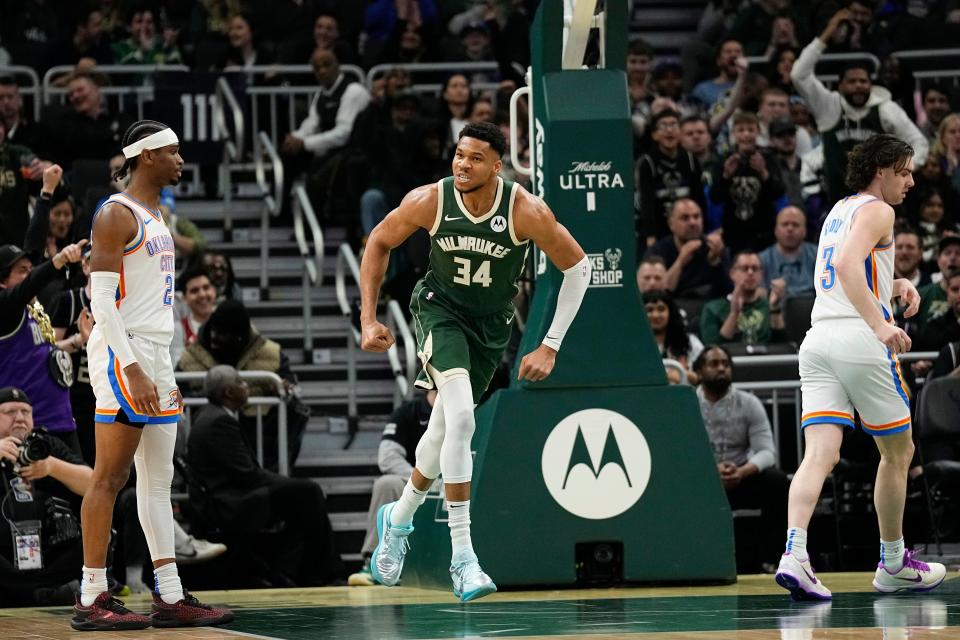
x=481 y=227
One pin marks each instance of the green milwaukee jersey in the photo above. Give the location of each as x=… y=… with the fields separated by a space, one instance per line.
x=475 y=261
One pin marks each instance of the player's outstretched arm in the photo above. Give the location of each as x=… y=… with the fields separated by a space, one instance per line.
x=533 y=220
x=113 y=228
x=417 y=210
x=871 y=225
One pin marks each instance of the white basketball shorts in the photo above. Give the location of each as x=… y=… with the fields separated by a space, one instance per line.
x=843 y=367
x=110 y=384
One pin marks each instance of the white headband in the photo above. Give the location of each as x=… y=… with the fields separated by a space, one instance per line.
x=162 y=138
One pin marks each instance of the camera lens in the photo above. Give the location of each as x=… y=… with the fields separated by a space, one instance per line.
x=34 y=449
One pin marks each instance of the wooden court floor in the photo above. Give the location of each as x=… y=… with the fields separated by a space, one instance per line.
x=753 y=609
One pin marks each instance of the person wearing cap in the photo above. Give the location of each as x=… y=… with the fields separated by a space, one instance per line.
x=783 y=142
x=27 y=340
x=475 y=42
x=934 y=296
x=55 y=482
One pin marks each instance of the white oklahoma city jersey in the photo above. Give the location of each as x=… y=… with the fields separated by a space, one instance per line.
x=145 y=294
x=831 y=301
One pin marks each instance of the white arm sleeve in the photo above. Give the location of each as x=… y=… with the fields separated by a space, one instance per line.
x=103 y=303
x=575 y=281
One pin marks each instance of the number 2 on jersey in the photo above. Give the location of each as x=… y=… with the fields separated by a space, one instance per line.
x=464 y=275
x=168 y=291
x=829 y=276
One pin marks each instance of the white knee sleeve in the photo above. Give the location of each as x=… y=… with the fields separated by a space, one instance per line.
x=154 y=463
x=456 y=462
x=428 y=449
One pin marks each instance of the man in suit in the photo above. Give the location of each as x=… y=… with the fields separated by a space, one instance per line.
x=241 y=496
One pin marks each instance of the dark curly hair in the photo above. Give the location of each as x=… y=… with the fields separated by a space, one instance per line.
x=676 y=342
x=487 y=132
x=137 y=131
x=881 y=151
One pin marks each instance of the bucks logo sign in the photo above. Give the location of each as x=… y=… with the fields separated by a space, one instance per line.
x=596 y=463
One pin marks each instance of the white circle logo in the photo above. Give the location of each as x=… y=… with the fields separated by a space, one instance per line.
x=498 y=224
x=596 y=463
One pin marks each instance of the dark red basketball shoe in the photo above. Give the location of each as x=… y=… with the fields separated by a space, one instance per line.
x=188 y=612
x=106 y=614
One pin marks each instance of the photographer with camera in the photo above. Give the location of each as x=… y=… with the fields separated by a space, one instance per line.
x=42 y=481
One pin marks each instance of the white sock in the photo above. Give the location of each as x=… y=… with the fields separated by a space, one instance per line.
x=167 y=583
x=459 y=522
x=93 y=582
x=891 y=554
x=797 y=543
x=402 y=514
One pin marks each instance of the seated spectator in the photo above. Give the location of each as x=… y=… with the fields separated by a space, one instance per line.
x=696 y=139
x=453 y=109
x=934 y=296
x=745 y=315
x=17 y=166
x=664 y=175
x=481 y=111
x=85 y=129
x=401 y=31
x=743 y=448
x=242 y=497
x=906 y=264
x=764 y=25
x=781 y=63
x=639 y=61
x=326 y=36
x=652 y=274
x=935 y=104
x=200 y=298
x=88 y=39
x=697 y=265
x=932 y=221
x=145 y=46
x=31 y=361
x=667 y=82
x=20 y=129
x=474 y=46
x=947 y=149
x=775 y=106
x=244 y=50
x=396 y=456
x=789 y=263
x=783 y=143
x=51 y=229
x=747 y=184
x=47 y=489
x=945 y=328
x=229 y=338
x=326 y=129
x=220 y=269
x=711 y=91
x=669 y=331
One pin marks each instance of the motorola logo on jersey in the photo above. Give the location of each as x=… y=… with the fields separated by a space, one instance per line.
x=498 y=224
x=596 y=463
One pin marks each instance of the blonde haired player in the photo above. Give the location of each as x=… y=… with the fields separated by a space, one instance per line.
x=138 y=403
x=848 y=361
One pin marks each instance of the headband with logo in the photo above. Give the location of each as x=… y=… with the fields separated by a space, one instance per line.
x=162 y=138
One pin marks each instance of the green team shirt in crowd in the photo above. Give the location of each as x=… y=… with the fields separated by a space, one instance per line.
x=475 y=261
x=14 y=215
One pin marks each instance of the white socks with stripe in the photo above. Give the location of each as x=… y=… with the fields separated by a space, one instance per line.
x=891 y=554
x=167 y=583
x=410 y=499
x=797 y=543
x=459 y=523
x=92 y=584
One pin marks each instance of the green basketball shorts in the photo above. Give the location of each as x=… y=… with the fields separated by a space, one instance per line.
x=450 y=343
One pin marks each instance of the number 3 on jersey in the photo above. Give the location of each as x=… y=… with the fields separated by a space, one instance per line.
x=828 y=277
x=465 y=275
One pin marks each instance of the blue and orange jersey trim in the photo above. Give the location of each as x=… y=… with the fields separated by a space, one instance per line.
x=156 y=214
x=887 y=429
x=827 y=417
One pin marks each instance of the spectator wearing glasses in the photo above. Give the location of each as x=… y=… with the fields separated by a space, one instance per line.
x=744 y=316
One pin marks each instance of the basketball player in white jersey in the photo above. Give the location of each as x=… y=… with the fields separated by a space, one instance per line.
x=138 y=402
x=848 y=361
